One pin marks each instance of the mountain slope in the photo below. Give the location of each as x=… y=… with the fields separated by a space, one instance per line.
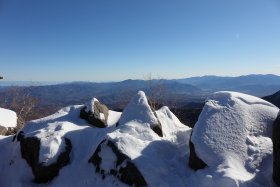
x=82 y=91
x=274 y=99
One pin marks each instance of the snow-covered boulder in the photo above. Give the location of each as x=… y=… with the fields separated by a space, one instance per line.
x=8 y=120
x=109 y=160
x=30 y=151
x=276 y=150
x=232 y=137
x=95 y=113
x=139 y=110
x=63 y=150
x=234 y=132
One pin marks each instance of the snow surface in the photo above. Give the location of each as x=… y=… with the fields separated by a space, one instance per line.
x=109 y=159
x=161 y=160
x=138 y=110
x=8 y=118
x=233 y=134
x=90 y=105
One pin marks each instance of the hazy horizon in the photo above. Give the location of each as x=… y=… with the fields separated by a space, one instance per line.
x=4 y=82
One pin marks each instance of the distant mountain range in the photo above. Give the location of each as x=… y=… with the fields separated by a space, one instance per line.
x=181 y=91
x=185 y=97
x=258 y=85
x=274 y=99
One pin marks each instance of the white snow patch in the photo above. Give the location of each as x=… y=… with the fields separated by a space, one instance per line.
x=109 y=158
x=52 y=143
x=171 y=126
x=138 y=110
x=113 y=117
x=90 y=105
x=102 y=116
x=234 y=124
x=8 y=118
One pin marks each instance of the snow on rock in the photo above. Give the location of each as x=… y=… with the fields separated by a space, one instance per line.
x=48 y=146
x=8 y=119
x=171 y=126
x=90 y=105
x=95 y=113
x=139 y=110
x=159 y=160
x=233 y=134
x=132 y=153
x=232 y=137
x=109 y=160
x=30 y=147
x=52 y=143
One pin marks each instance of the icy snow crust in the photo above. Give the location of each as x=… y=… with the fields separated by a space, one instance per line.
x=161 y=160
x=233 y=134
x=8 y=118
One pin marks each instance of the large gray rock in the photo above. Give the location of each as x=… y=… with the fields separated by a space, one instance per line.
x=121 y=165
x=7 y=131
x=3 y=130
x=276 y=150
x=95 y=113
x=30 y=147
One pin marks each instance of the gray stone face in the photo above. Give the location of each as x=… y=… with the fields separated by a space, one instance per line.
x=30 y=148
x=276 y=151
x=7 y=131
x=123 y=169
x=94 y=118
x=3 y=130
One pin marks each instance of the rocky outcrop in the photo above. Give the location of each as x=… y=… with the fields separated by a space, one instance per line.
x=121 y=165
x=30 y=147
x=194 y=161
x=139 y=109
x=95 y=113
x=274 y=99
x=232 y=126
x=276 y=151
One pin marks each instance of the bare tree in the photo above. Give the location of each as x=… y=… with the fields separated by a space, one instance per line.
x=19 y=99
x=156 y=91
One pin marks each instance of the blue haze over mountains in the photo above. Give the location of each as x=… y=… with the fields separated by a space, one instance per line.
x=258 y=85
x=194 y=89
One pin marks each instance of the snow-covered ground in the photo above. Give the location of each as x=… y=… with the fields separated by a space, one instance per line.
x=232 y=136
x=8 y=118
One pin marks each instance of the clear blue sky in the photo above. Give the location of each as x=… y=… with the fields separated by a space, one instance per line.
x=103 y=40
